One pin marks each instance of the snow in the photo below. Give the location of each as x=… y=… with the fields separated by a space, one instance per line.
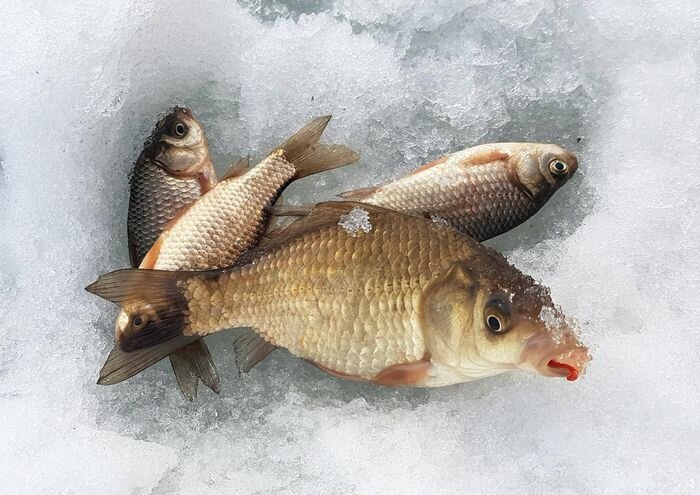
x=82 y=84
x=356 y=221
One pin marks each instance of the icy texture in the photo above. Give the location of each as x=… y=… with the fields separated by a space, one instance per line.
x=83 y=82
x=356 y=221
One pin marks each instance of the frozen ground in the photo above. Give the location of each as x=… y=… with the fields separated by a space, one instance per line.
x=617 y=82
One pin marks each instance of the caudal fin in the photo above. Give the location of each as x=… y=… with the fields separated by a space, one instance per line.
x=309 y=156
x=153 y=302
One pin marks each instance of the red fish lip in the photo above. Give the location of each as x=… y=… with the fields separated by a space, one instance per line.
x=572 y=371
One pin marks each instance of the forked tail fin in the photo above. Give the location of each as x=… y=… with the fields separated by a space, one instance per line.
x=155 y=308
x=309 y=156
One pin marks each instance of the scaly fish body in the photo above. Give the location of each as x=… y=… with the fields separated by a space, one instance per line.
x=231 y=217
x=395 y=299
x=226 y=222
x=482 y=191
x=156 y=198
x=171 y=173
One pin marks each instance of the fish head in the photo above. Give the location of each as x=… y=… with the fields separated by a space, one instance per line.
x=541 y=169
x=179 y=144
x=494 y=319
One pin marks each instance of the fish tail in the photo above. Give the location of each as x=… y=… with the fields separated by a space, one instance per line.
x=309 y=156
x=155 y=305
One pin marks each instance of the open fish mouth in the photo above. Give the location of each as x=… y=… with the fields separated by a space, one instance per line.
x=570 y=365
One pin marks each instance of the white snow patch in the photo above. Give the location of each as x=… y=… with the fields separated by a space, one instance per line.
x=356 y=221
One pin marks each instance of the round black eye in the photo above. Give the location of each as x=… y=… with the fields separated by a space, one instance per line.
x=494 y=323
x=557 y=167
x=137 y=321
x=179 y=129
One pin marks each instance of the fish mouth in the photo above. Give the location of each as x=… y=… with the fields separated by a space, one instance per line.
x=570 y=365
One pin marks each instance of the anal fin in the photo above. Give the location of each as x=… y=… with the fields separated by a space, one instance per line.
x=249 y=349
x=191 y=364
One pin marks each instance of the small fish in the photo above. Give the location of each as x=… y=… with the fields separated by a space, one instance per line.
x=230 y=219
x=364 y=293
x=173 y=170
x=482 y=191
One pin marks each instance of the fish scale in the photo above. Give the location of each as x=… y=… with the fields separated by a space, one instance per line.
x=481 y=204
x=227 y=220
x=156 y=198
x=356 y=319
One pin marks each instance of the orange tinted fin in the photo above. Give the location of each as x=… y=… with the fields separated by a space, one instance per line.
x=207 y=178
x=149 y=261
x=191 y=364
x=249 y=349
x=337 y=374
x=428 y=165
x=237 y=169
x=308 y=156
x=359 y=194
x=404 y=374
x=486 y=156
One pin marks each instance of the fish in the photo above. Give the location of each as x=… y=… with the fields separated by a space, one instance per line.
x=481 y=191
x=172 y=172
x=363 y=293
x=215 y=230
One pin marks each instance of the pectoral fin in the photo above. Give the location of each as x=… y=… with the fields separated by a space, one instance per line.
x=408 y=374
x=446 y=308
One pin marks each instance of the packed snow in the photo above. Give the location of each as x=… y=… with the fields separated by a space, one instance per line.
x=81 y=85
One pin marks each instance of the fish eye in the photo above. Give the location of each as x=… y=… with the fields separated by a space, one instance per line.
x=497 y=314
x=179 y=129
x=494 y=323
x=558 y=167
x=137 y=321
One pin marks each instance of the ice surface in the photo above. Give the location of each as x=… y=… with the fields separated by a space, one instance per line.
x=82 y=83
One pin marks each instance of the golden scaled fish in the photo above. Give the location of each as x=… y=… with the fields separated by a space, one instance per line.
x=173 y=170
x=230 y=219
x=363 y=293
x=482 y=191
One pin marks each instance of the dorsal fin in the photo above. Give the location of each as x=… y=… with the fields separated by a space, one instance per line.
x=428 y=165
x=485 y=156
x=321 y=215
x=359 y=194
x=237 y=169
